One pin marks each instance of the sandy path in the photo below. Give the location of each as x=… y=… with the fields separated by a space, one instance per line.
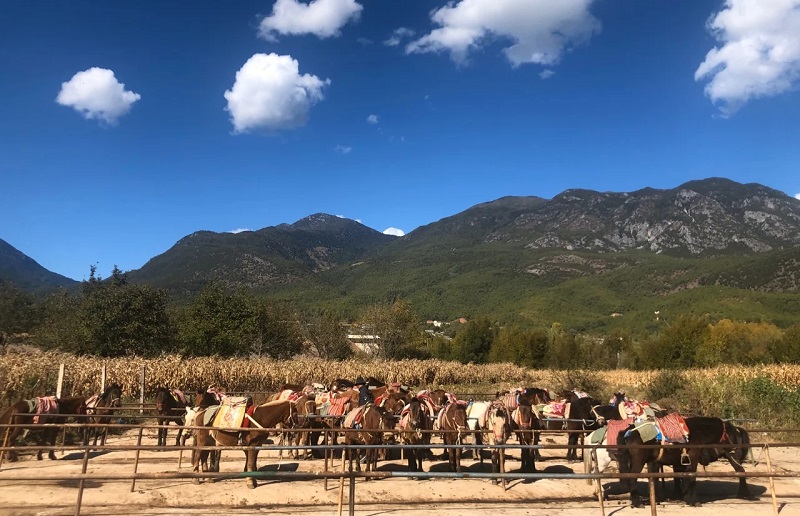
x=385 y=497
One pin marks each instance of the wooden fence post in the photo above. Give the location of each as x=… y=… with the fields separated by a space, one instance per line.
x=103 y=378
x=141 y=391
x=771 y=481
x=60 y=380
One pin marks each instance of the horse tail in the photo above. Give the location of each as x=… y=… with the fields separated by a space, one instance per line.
x=746 y=452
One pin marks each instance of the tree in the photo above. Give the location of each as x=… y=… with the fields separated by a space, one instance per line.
x=272 y=331
x=522 y=347
x=122 y=319
x=474 y=341
x=216 y=323
x=325 y=336
x=18 y=311
x=677 y=345
x=395 y=329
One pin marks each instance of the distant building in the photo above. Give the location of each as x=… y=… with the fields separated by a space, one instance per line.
x=365 y=343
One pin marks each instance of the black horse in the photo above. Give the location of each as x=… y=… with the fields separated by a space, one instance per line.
x=169 y=408
x=719 y=435
x=582 y=419
x=102 y=409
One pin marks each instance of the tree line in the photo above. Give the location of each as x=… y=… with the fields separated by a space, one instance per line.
x=113 y=317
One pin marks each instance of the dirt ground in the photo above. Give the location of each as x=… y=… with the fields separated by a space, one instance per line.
x=391 y=496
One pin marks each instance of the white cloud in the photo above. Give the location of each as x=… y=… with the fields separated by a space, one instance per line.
x=364 y=41
x=546 y=74
x=541 y=30
x=797 y=196
x=97 y=94
x=270 y=94
x=239 y=230
x=373 y=119
x=398 y=35
x=394 y=231
x=323 y=18
x=343 y=149
x=760 y=52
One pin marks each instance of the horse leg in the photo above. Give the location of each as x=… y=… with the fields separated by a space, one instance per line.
x=250 y=465
x=52 y=435
x=691 y=483
x=177 y=437
x=744 y=491
x=535 y=452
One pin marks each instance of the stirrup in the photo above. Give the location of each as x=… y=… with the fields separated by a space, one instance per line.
x=685 y=460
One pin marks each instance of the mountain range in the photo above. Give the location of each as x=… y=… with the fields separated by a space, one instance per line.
x=584 y=258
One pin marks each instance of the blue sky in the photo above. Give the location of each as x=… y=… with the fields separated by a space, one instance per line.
x=128 y=125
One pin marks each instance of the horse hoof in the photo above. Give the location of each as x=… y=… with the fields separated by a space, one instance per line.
x=196 y=481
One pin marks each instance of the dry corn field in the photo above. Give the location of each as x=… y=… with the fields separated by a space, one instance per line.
x=35 y=373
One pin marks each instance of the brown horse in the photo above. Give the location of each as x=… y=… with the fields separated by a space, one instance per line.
x=170 y=408
x=414 y=422
x=102 y=408
x=524 y=423
x=267 y=416
x=23 y=412
x=374 y=422
x=452 y=423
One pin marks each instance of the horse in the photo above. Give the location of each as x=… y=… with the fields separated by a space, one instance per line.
x=169 y=407
x=265 y=416
x=413 y=424
x=374 y=422
x=477 y=414
x=524 y=423
x=498 y=424
x=582 y=418
x=533 y=396
x=102 y=407
x=452 y=423
x=719 y=435
x=24 y=412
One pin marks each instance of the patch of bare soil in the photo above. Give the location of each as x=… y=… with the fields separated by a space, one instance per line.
x=391 y=496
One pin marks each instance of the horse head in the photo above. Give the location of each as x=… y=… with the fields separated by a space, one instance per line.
x=498 y=423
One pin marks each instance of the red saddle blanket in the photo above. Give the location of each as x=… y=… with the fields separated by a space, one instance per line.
x=338 y=406
x=614 y=428
x=674 y=428
x=44 y=406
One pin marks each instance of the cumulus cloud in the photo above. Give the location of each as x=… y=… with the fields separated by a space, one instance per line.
x=97 y=94
x=394 y=231
x=541 y=30
x=269 y=94
x=323 y=18
x=373 y=119
x=239 y=230
x=546 y=74
x=398 y=35
x=343 y=149
x=759 y=54
x=797 y=196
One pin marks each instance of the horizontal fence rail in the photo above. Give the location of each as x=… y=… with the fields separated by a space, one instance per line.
x=343 y=474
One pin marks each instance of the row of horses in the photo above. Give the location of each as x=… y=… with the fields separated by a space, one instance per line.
x=25 y=415
x=412 y=418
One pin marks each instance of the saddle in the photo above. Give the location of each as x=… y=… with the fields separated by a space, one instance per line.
x=231 y=413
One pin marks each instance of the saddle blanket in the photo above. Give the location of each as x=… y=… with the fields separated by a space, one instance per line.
x=353 y=417
x=555 y=409
x=179 y=396
x=231 y=413
x=614 y=428
x=598 y=435
x=44 y=406
x=338 y=406
x=511 y=400
x=674 y=428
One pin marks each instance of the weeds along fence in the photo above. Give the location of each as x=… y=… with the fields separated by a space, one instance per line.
x=343 y=469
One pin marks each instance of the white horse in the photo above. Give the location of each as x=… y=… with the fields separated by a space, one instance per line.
x=477 y=412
